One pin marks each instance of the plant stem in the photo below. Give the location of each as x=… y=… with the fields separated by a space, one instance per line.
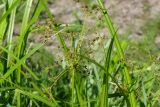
x=112 y=31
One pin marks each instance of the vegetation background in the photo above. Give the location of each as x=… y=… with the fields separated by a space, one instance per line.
x=79 y=53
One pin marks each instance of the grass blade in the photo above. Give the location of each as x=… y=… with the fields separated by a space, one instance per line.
x=9 y=11
x=10 y=71
x=120 y=51
x=39 y=98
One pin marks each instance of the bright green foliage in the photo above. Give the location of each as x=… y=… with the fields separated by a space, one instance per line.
x=83 y=73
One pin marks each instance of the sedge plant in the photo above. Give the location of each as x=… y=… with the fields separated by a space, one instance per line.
x=80 y=80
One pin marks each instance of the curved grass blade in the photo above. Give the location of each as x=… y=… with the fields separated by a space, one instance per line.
x=111 y=28
x=9 y=10
x=104 y=97
x=10 y=71
x=10 y=31
x=17 y=59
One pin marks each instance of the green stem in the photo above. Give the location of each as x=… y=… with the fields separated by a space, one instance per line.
x=112 y=31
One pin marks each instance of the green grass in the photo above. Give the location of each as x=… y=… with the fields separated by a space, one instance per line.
x=98 y=73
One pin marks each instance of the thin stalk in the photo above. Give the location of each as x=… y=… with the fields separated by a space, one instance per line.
x=5 y=25
x=10 y=30
x=23 y=27
x=105 y=83
x=111 y=28
x=72 y=80
x=9 y=41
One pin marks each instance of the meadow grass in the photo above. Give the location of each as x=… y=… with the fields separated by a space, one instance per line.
x=29 y=75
